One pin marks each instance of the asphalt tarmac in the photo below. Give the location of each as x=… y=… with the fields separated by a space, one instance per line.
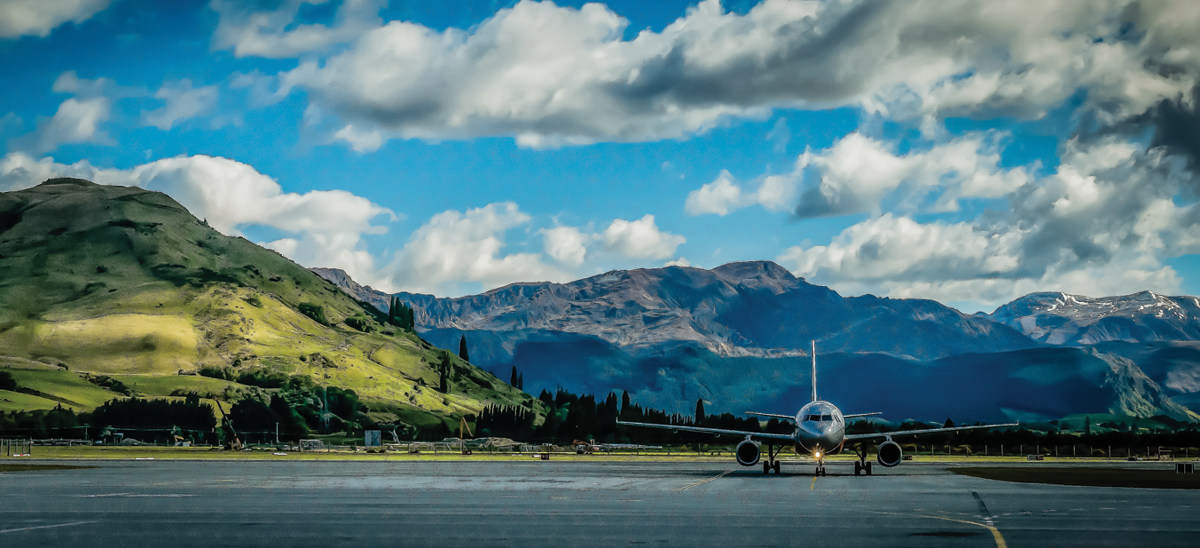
x=569 y=502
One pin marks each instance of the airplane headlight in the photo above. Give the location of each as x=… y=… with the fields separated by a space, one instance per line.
x=817 y=454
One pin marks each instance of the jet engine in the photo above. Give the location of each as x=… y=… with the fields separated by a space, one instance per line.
x=747 y=453
x=889 y=454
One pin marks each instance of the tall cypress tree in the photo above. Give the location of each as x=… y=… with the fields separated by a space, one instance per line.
x=444 y=373
x=512 y=380
x=699 y=411
x=462 y=349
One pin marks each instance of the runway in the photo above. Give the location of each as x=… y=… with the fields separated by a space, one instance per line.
x=568 y=502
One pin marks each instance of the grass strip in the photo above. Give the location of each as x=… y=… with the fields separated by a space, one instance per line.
x=1087 y=477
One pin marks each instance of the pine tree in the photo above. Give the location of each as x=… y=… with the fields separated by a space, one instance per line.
x=462 y=349
x=699 y=411
x=512 y=380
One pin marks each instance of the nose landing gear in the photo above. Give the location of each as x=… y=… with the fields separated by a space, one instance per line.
x=862 y=464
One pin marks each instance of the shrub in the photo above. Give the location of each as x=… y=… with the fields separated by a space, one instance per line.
x=7 y=382
x=223 y=373
x=314 y=311
x=254 y=301
x=360 y=323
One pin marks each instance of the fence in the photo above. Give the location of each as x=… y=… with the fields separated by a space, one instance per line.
x=16 y=448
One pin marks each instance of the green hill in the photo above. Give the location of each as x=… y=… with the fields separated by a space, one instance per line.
x=126 y=283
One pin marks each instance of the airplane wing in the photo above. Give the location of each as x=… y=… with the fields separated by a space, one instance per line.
x=881 y=435
x=714 y=431
x=788 y=417
x=857 y=415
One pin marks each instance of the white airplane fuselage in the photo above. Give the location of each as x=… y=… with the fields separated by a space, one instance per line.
x=820 y=429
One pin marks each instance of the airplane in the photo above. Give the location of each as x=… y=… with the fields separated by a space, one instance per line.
x=820 y=431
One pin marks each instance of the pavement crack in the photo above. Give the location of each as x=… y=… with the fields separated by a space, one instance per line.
x=983 y=511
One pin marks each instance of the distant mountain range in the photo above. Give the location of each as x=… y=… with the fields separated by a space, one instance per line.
x=1061 y=319
x=738 y=337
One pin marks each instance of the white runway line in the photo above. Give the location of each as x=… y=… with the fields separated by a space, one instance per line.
x=45 y=527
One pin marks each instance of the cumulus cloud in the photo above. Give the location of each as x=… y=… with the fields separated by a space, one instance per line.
x=550 y=75
x=1104 y=223
x=182 y=102
x=640 y=239
x=719 y=197
x=360 y=141
x=76 y=121
x=566 y=244
x=455 y=247
x=39 y=17
x=724 y=194
x=277 y=34
x=327 y=226
x=859 y=174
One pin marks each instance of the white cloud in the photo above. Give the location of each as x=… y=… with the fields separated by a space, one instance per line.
x=70 y=82
x=682 y=261
x=260 y=85
x=550 y=75
x=328 y=226
x=75 y=121
x=455 y=247
x=182 y=102
x=565 y=244
x=360 y=141
x=858 y=173
x=1104 y=223
x=719 y=197
x=640 y=239
x=275 y=33
x=862 y=175
x=39 y=17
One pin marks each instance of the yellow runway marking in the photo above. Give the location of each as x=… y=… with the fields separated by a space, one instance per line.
x=813 y=485
x=704 y=481
x=995 y=532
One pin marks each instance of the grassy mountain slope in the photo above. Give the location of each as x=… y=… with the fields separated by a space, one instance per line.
x=125 y=282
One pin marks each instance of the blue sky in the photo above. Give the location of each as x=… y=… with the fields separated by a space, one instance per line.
x=965 y=152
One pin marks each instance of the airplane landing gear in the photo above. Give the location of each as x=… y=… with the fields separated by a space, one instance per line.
x=862 y=464
x=771 y=463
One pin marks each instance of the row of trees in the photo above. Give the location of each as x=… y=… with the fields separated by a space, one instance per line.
x=573 y=417
x=401 y=315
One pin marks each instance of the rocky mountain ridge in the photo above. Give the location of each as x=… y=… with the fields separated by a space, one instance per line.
x=1063 y=319
x=745 y=309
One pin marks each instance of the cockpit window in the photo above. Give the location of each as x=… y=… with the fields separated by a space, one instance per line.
x=826 y=418
x=819 y=418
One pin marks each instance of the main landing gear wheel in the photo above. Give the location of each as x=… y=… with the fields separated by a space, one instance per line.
x=771 y=463
x=820 y=471
x=862 y=465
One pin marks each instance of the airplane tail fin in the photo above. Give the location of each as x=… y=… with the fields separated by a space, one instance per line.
x=814 y=370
